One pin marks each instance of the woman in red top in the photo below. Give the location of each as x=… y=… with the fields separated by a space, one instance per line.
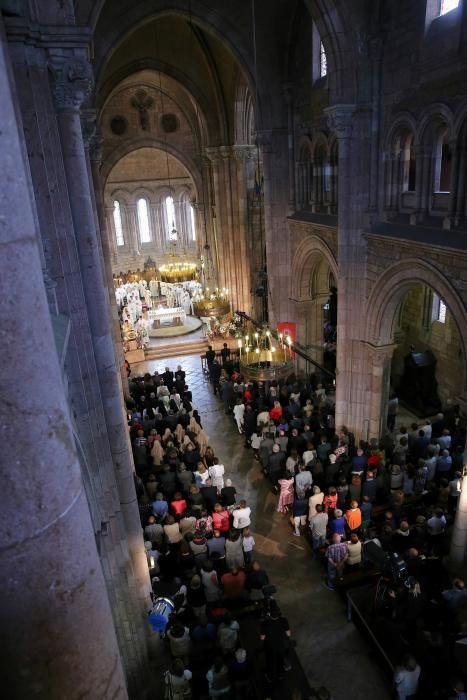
x=178 y=505
x=276 y=412
x=330 y=500
x=221 y=518
x=373 y=460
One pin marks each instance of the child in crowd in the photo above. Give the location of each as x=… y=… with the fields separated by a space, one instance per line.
x=248 y=545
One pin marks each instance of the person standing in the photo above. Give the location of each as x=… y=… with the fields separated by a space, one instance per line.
x=275 y=633
x=318 y=525
x=393 y=407
x=406 y=679
x=336 y=554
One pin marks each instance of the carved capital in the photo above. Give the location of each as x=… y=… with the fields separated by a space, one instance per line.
x=212 y=154
x=339 y=120
x=244 y=153
x=380 y=354
x=225 y=152
x=73 y=81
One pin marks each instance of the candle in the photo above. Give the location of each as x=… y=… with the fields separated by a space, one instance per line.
x=151 y=562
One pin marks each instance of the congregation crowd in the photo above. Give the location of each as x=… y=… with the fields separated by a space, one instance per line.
x=396 y=497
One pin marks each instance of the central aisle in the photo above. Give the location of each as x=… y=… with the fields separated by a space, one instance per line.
x=331 y=650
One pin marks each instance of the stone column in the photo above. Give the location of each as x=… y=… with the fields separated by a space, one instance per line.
x=423 y=181
x=450 y=219
x=274 y=149
x=133 y=241
x=107 y=240
x=340 y=120
x=72 y=83
x=242 y=157
x=55 y=614
x=461 y=203
x=288 y=94
x=379 y=357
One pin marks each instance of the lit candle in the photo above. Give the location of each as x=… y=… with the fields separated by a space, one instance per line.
x=151 y=562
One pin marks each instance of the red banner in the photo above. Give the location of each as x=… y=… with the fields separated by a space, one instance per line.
x=287 y=331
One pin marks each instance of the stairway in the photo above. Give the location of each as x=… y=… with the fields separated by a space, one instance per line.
x=188 y=347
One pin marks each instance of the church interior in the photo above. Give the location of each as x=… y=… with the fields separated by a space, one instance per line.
x=237 y=237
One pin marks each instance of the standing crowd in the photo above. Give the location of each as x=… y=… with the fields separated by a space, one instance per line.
x=398 y=495
x=200 y=547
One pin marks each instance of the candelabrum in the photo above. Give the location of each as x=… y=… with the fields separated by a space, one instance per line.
x=265 y=355
x=178 y=272
x=212 y=303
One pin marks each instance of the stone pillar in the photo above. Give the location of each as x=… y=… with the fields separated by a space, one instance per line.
x=107 y=241
x=379 y=357
x=133 y=242
x=55 y=614
x=288 y=94
x=274 y=149
x=423 y=185
x=242 y=158
x=72 y=83
x=450 y=219
x=461 y=203
x=340 y=120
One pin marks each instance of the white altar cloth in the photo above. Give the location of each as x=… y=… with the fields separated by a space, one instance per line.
x=167 y=315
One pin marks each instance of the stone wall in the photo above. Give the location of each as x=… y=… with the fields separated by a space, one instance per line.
x=417 y=328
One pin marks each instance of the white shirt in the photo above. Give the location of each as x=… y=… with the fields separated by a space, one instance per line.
x=406 y=682
x=318 y=524
x=248 y=543
x=239 y=410
x=216 y=472
x=255 y=441
x=241 y=518
x=308 y=455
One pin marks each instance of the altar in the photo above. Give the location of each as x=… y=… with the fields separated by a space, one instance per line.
x=167 y=316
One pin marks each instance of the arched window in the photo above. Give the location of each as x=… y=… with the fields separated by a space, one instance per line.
x=408 y=164
x=192 y=223
x=446 y=6
x=170 y=218
x=442 y=181
x=323 y=61
x=319 y=57
x=117 y=214
x=438 y=312
x=143 y=220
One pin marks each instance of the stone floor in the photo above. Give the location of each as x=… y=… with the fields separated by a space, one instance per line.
x=329 y=648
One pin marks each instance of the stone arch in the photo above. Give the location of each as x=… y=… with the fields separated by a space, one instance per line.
x=318 y=141
x=206 y=123
x=143 y=193
x=334 y=30
x=150 y=142
x=460 y=120
x=403 y=120
x=437 y=113
x=307 y=258
x=122 y=195
x=389 y=292
x=108 y=34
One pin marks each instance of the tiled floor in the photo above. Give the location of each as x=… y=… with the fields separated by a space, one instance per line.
x=331 y=650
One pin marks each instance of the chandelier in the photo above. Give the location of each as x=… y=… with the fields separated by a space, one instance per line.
x=211 y=303
x=178 y=271
x=265 y=355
